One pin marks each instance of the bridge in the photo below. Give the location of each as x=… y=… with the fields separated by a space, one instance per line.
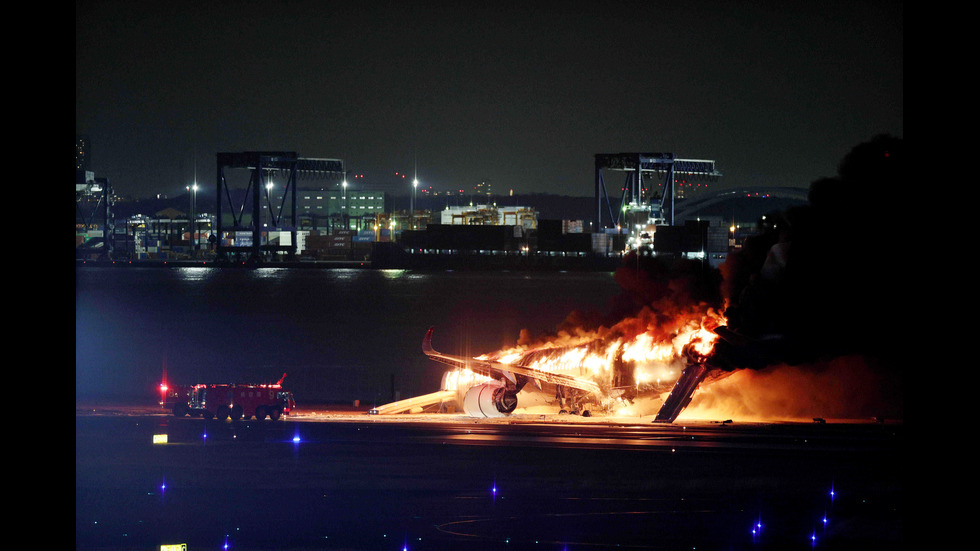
x=690 y=207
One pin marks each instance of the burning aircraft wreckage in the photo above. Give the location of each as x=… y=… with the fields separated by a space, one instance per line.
x=590 y=373
x=795 y=298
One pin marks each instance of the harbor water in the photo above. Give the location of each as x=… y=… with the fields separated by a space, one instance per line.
x=339 y=334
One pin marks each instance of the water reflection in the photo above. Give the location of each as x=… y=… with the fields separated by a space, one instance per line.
x=270 y=273
x=346 y=274
x=195 y=273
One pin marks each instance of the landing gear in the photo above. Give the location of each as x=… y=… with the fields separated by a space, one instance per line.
x=572 y=401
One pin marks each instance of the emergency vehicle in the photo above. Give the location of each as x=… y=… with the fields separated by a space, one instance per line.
x=234 y=401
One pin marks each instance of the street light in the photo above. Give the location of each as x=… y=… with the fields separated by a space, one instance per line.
x=343 y=207
x=415 y=186
x=268 y=199
x=192 y=193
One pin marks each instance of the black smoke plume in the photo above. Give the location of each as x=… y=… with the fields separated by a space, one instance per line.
x=825 y=280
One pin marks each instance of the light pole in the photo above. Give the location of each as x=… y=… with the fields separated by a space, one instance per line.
x=194 y=215
x=415 y=186
x=343 y=207
x=268 y=200
x=192 y=196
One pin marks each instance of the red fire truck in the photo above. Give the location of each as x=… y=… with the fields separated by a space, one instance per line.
x=234 y=401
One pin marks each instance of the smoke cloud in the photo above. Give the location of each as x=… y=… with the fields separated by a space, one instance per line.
x=814 y=300
x=659 y=295
x=822 y=280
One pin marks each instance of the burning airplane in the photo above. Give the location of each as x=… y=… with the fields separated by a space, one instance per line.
x=601 y=371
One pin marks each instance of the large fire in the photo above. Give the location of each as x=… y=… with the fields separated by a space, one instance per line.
x=648 y=352
x=645 y=353
x=841 y=388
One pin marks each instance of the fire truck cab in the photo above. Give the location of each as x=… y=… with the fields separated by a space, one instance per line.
x=240 y=401
x=175 y=398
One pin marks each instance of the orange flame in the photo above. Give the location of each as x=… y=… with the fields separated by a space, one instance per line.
x=845 y=388
x=646 y=351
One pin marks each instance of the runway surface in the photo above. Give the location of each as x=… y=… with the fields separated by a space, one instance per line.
x=341 y=479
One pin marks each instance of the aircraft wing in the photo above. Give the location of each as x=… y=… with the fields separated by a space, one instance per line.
x=494 y=368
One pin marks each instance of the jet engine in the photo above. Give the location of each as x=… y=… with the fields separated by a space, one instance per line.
x=489 y=400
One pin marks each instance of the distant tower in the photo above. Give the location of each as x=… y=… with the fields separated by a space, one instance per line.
x=83 y=153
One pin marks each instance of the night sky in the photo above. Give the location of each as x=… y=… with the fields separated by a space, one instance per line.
x=517 y=94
